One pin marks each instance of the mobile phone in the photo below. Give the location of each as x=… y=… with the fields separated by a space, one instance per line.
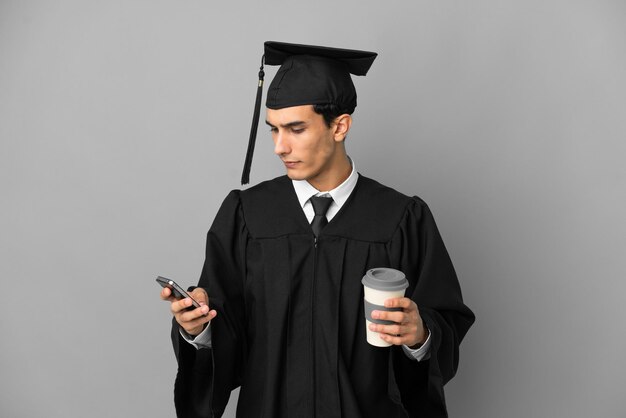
x=177 y=291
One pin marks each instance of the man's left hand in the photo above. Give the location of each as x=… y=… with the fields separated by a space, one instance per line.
x=408 y=328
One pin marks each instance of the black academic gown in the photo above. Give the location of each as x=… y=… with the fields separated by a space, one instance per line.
x=290 y=328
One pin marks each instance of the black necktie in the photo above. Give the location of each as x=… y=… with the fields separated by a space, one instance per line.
x=320 y=206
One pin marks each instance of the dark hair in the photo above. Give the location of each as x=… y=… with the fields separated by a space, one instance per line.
x=330 y=111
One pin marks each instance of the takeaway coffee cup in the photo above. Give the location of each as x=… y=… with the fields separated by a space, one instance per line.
x=380 y=284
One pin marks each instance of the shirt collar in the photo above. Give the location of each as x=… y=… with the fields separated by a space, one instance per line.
x=340 y=194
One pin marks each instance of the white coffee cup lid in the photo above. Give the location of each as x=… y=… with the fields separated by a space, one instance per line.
x=386 y=279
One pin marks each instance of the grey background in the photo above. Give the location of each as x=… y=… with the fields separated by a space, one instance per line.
x=123 y=124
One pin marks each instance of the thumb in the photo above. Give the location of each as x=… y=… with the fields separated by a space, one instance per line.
x=200 y=295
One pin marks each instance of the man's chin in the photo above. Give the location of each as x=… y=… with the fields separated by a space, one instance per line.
x=295 y=176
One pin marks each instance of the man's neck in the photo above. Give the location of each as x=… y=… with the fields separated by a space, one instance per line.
x=334 y=177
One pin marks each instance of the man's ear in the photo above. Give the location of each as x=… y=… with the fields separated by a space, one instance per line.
x=342 y=126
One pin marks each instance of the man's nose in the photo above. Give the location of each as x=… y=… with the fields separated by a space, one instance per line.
x=281 y=145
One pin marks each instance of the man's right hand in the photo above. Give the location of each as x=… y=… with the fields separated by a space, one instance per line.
x=192 y=321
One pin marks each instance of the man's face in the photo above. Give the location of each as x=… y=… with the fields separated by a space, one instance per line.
x=306 y=145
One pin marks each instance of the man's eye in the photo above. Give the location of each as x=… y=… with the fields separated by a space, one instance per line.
x=298 y=130
x=272 y=130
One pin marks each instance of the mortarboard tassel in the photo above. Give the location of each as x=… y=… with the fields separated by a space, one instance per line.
x=245 y=176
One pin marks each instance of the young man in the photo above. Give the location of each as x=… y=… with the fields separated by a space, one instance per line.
x=281 y=284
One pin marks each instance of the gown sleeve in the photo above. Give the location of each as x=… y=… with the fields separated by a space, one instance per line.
x=434 y=287
x=206 y=377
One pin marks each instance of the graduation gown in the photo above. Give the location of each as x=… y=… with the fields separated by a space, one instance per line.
x=290 y=328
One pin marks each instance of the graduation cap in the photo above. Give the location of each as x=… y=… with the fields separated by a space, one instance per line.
x=308 y=74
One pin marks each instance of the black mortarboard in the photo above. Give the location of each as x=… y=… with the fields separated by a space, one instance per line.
x=308 y=75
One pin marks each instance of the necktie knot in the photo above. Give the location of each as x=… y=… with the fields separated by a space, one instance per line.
x=320 y=207
x=321 y=204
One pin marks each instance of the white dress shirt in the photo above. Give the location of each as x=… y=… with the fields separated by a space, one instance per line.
x=340 y=195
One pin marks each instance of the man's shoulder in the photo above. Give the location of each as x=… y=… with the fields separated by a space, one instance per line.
x=271 y=209
x=374 y=212
x=257 y=196
x=381 y=194
x=276 y=189
x=280 y=181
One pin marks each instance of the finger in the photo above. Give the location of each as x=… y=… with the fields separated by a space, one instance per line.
x=190 y=316
x=196 y=323
x=395 y=329
x=399 y=335
x=404 y=303
x=186 y=318
x=395 y=316
x=166 y=293
x=179 y=305
x=394 y=340
x=170 y=298
x=200 y=295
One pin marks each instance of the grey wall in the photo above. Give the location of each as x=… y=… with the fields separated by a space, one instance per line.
x=123 y=124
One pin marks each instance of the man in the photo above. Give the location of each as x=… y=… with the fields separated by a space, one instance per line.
x=281 y=284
